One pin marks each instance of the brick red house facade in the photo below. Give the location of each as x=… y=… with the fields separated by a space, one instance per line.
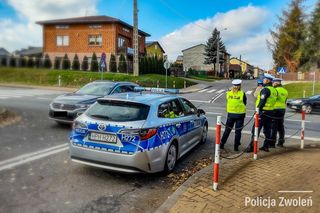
x=85 y=35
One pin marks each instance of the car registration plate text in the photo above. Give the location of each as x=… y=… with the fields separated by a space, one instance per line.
x=106 y=138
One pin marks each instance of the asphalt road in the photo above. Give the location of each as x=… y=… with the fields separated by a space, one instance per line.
x=53 y=183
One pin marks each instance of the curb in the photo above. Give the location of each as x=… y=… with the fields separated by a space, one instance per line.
x=172 y=199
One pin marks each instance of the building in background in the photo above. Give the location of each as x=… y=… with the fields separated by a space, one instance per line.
x=85 y=35
x=193 y=58
x=179 y=59
x=154 y=49
x=246 y=68
x=4 y=52
x=29 y=52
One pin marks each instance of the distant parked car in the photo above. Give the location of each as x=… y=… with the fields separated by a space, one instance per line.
x=65 y=108
x=311 y=104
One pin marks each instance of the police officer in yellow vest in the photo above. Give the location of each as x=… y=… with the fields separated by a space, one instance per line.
x=265 y=102
x=236 y=108
x=279 y=112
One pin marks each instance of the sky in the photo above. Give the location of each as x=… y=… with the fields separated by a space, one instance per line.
x=176 y=24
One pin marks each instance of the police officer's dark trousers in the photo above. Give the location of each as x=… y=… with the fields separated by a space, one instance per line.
x=265 y=121
x=232 y=119
x=278 y=126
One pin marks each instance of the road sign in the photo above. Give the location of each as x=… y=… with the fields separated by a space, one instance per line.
x=282 y=70
x=166 y=65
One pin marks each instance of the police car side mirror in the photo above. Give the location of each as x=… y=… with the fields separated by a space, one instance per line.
x=201 y=112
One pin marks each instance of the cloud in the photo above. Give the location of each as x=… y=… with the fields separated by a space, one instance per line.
x=244 y=26
x=35 y=10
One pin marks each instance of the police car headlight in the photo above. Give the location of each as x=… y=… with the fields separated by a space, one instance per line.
x=79 y=125
x=82 y=106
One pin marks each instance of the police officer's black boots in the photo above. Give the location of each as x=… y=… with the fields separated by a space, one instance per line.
x=266 y=149
x=222 y=146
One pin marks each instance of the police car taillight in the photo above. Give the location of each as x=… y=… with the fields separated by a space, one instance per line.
x=145 y=134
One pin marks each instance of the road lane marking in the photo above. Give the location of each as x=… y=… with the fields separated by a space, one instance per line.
x=199 y=101
x=26 y=158
x=286 y=136
x=213 y=113
x=40 y=98
x=216 y=98
x=220 y=91
x=203 y=90
x=211 y=91
x=249 y=92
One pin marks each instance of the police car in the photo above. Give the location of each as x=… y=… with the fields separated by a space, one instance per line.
x=137 y=132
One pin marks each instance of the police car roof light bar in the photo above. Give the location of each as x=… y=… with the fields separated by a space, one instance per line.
x=156 y=90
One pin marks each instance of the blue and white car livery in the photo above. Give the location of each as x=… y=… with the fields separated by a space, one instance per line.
x=134 y=132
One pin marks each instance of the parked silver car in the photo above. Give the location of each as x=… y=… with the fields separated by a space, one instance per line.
x=134 y=132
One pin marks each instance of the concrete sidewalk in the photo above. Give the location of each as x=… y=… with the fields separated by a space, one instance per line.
x=255 y=186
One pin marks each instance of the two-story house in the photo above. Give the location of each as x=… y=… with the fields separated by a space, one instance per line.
x=153 y=49
x=85 y=35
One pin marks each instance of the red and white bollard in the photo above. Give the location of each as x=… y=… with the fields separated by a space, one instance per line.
x=303 y=114
x=217 y=155
x=256 y=135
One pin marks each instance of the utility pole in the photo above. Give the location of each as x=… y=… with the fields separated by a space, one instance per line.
x=135 y=39
x=218 y=55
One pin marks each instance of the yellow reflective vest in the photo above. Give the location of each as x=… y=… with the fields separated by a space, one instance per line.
x=235 y=102
x=282 y=98
x=271 y=101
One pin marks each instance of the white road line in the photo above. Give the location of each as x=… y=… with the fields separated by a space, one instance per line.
x=213 y=113
x=211 y=91
x=3 y=97
x=216 y=98
x=294 y=137
x=203 y=90
x=249 y=92
x=220 y=91
x=11 y=96
x=199 y=101
x=26 y=158
x=40 y=98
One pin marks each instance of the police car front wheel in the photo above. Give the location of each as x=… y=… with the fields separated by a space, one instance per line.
x=204 y=134
x=171 y=158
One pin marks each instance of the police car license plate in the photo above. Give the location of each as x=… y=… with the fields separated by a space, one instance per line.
x=107 y=138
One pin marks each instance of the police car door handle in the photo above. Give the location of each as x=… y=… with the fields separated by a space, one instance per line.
x=178 y=125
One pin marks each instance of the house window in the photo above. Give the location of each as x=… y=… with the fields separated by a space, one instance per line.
x=95 y=40
x=62 y=26
x=156 y=47
x=62 y=40
x=121 y=42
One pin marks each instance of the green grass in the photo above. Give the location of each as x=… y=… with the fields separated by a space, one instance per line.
x=296 y=90
x=79 y=78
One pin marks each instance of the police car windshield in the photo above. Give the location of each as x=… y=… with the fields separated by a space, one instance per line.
x=118 y=111
x=99 y=89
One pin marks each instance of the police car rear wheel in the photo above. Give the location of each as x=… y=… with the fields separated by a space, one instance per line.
x=204 y=134
x=171 y=158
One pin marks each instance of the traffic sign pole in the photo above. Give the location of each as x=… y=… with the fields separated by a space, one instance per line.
x=166 y=66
